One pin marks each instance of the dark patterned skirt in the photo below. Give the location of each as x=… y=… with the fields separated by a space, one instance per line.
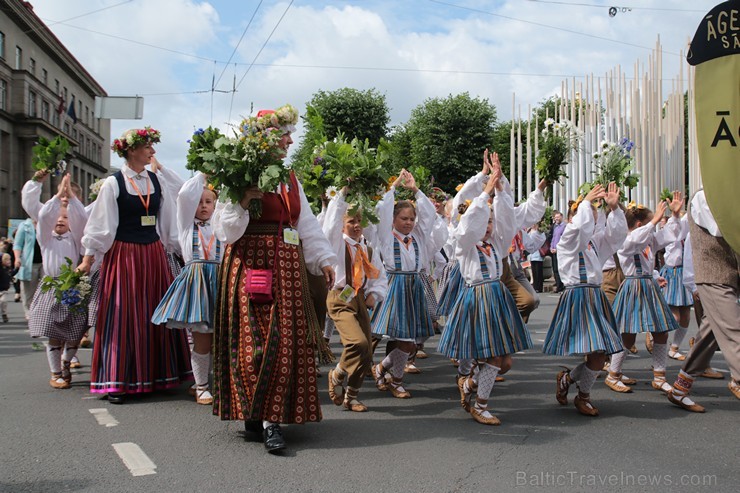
x=49 y=318
x=131 y=354
x=92 y=307
x=265 y=354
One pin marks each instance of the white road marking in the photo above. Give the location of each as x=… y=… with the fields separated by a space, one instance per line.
x=103 y=417
x=90 y=397
x=135 y=459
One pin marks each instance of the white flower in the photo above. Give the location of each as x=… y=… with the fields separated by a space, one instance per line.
x=557 y=127
x=549 y=122
x=604 y=144
x=331 y=192
x=596 y=155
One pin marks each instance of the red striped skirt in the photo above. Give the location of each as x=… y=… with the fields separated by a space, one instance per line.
x=131 y=354
x=264 y=354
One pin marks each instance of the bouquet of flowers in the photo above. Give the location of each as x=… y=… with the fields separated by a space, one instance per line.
x=71 y=288
x=51 y=155
x=360 y=168
x=252 y=157
x=95 y=188
x=558 y=139
x=613 y=164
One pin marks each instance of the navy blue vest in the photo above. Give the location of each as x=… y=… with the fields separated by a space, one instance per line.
x=130 y=210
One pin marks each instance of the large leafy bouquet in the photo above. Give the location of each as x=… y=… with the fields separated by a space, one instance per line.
x=360 y=168
x=613 y=163
x=316 y=176
x=558 y=140
x=71 y=288
x=51 y=155
x=252 y=157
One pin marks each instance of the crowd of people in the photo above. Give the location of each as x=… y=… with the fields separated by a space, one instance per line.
x=184 y=284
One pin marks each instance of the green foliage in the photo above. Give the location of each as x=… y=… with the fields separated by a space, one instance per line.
x=558 y=139
x=312 y=171
x=544 y=225
x=48 y=155
x=666 y=194
x=613 y=164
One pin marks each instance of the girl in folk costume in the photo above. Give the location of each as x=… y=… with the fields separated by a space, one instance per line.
x=678 y=296
x=59 y=231
x=265 y=348
x=190 y=299
x=403 y=317
x=360 y=284
x=132 y=221
x=583 y=322
x=484 y=327
x=639 y=305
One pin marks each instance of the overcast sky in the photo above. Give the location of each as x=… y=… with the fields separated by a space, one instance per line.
x=170 y=51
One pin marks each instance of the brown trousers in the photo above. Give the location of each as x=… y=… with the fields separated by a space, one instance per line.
x=525 y=302
x=613 y=278
x=719 y=329
x=353 y=324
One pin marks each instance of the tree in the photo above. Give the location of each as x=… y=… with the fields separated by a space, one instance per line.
x=447 y=136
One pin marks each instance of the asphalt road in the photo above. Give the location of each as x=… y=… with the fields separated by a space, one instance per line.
x=52 y=440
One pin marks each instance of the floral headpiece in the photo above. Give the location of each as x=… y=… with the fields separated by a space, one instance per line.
x=633 y=206
x=134 y=138
x=438 y=195
x=574 y=205
x=283 y=119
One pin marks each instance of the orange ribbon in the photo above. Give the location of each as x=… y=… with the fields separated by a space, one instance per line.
x=206 y=249
x=405 y=241
x=486 y=248
x=361 y=268
x=148 y=196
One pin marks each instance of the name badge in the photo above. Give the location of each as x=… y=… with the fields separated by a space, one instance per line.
x=148 y=220
x=290 y=236
x=347 y=294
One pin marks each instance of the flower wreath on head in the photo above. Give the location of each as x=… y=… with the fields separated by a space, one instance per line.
x=134 y=138
x=634 y=206
x=284 y=119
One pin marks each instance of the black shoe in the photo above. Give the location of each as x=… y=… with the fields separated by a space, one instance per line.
x=5 y=318
x=253 y=431
x=273 y=436
x=116 y=398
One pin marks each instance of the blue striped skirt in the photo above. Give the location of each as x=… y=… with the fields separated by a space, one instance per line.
x=675 y=293
x=403 y=314
x=583 y=323
x=639 y=307
x=189 y=301
x=450 y=290
x=484 y=323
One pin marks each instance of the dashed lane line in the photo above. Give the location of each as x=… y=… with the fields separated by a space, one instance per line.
x=135 y=459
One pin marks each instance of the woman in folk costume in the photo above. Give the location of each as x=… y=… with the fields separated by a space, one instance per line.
x=484 y=327
x=583 y=322
x=360 y=284
x=639 y=305
x=189 y=302
x=402 y=239
x=678 y=296
x=265 y=349
x=59 y=231
x=132 y=220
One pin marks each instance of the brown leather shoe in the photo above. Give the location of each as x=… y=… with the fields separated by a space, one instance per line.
x=58 y=382
x=584 y=406
x=203 y=396
x=335 y=383
x=613 y=381
x=379 y=377
x=411 y=368
x=562 y=384
x=712 y=373
x=351 y=403
x=649 y=342
x=477 y=415
x=633 y=349
x=684 y=402
x=421 y=354
x=734 y=388
x=465 y=396
x=627 y=380
x=499 y=378
x=397 y=390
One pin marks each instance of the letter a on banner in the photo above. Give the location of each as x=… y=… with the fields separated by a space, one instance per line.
x=715 y=52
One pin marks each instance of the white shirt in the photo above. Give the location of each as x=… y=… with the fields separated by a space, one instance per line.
x=102 y=224
x=688 y=265
x=55 y=249
x=425 y=217
x=439 y=237
x=644 y=242
x=231 y=221
x=595 y=239
x=333 y=229
x=674 y=251
x=469 y=235
x=702 y=215
x=187 y=205
x=31 y=198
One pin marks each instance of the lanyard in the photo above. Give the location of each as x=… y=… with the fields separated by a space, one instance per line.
x=286 y=201
x=206 y=249
x=145 y=203
x=403 y=240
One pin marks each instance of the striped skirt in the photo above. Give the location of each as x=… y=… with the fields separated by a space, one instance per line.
x=639 y=307
x=175 y=263
x=403 y=314
x=130 y=353
x=583 y=323
x=190 y=299
x=675 y=293
x=450 y=290
x=49 y=318
x=484 y=323
x=265 y=354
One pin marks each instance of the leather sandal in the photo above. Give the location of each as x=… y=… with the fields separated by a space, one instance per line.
x=674 y=353
x=397 y=390
x=649 y=342
x=334 y=384
x=58 y=382
x=351 y=403
x=584 y=406
x=478 y=414
x=465 y=395
x=562 y=384
x=659 y=382
x=734 y=388
x=411 y=368
x=627 y=380
x=379 y=377
x=712 y=373
x=66 y=372
x=421 y=354
x=203 y=395
x=685 y=402
x=613 y=381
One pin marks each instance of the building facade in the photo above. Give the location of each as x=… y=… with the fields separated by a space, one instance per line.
x=44 y=92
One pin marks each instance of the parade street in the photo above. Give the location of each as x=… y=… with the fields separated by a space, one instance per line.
x=70 y=440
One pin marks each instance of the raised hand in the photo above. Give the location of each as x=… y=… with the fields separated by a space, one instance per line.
x=410 y=182
x=486 y=167
x=676 y=204
x=612 y=196
x=596 y=193
x=659 y=211
x=399 y=181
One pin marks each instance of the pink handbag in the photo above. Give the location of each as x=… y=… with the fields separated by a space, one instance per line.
x=258 y=285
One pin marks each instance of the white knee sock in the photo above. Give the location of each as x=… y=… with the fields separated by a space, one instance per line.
x=69 y=351
x=54 y=355
x=678 y=336
x=201 y=367
x=486 y=380
x=660 y=353
x=395 y=362
x=588 y=377
x=465 y=366
x=576 y=372
x=618 y=360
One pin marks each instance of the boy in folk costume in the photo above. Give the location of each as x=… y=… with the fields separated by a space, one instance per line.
x=639 y=305
x=360 y=284
x=524 y=241
x=189 y=301
x=716 y=269
x=59 y=233
x=583 y=322
x=484 y=327
x=403 y=317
